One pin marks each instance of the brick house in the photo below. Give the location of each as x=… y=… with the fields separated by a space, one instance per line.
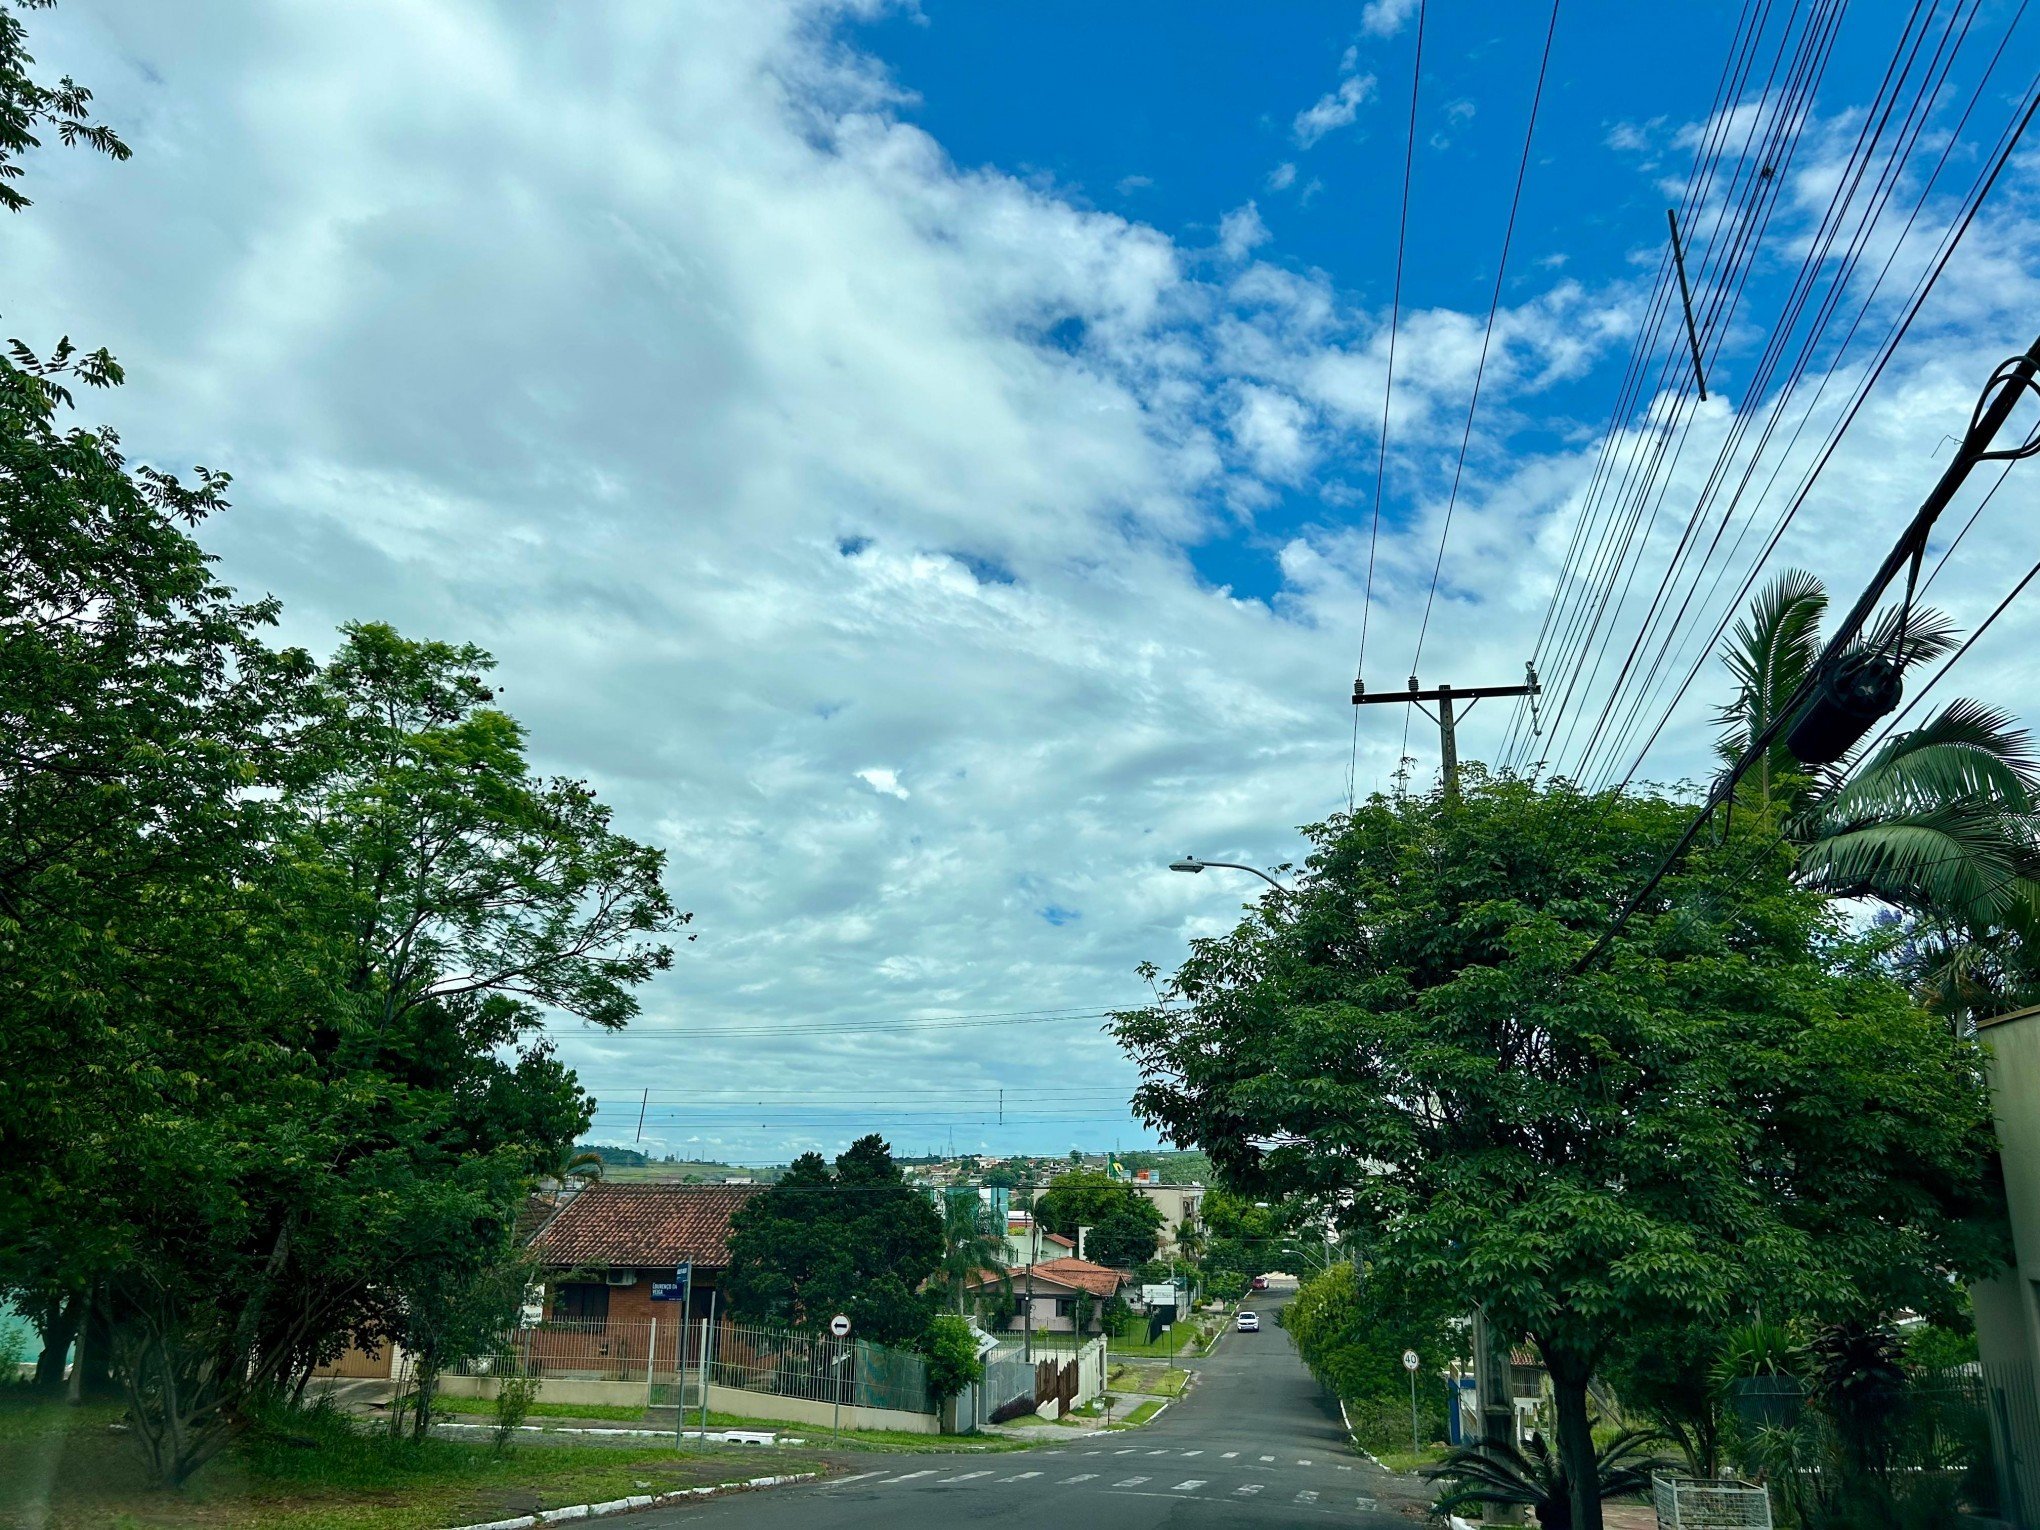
x=609 y=1253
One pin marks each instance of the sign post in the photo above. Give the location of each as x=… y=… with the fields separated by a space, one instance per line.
x=839 y=1327
x=1409 y=1363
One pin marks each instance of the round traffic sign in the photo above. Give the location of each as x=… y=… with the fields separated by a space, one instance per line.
x=839 y=1325
x=1409 y=1359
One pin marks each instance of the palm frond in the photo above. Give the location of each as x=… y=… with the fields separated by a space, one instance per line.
x=1958 y=860
x=1928 y=634
x=1966 y=749
x=1769 y=653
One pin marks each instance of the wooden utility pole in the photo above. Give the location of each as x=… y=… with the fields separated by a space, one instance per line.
x=1445 y=717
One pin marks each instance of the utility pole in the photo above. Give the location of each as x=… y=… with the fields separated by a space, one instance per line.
x=1445 y=717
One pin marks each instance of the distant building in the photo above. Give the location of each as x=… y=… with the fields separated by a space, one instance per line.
x=1056 y=1290
x=610 y=1252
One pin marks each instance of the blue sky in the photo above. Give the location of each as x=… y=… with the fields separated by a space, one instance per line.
x=917 y=461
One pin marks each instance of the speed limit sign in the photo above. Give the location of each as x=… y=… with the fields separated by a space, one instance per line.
x=839 y=1325
x=1409 y=1359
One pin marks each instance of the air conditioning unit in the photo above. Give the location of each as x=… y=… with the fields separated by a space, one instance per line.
x=622 y=1277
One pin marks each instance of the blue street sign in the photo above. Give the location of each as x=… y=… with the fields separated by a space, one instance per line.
x=679 y=1288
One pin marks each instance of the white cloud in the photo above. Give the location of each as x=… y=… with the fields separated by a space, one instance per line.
x=762 y=442
x=1333 y=110
x=1282 y=177
x=1241 y=231
x=1385 y=18
x=884 y=781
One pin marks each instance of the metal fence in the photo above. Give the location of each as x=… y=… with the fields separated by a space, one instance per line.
x=666 y=1356
x=818 y=1368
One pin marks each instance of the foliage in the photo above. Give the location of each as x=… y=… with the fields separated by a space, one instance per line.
x=1942 y=820
x=516 y=1392
x=973 y=1245
x=1125 y=1226
x=26 y=107
x=859 y=1240
x=1666 y=1371
x=951 y=1348
x=1940 y=1346
x=1756 y=1349
x=1734 y=1103
x=1503 y=1475
x=1351 y=1332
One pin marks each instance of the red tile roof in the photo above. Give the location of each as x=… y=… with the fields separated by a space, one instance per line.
x=631 y=1225
x=1082 y=1275
x=1059 y=1238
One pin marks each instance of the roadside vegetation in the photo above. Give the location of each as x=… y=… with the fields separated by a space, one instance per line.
x=314 y=1470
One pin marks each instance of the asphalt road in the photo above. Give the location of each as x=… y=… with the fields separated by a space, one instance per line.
x=1254 y=1443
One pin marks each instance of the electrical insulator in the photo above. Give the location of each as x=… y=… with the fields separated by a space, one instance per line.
x=1861 y=688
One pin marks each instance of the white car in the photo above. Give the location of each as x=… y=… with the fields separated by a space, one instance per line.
x=1248 y=1322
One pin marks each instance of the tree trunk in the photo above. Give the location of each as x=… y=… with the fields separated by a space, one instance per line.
x=58 y=1323
x=1576 y=1447
x=428 y=1383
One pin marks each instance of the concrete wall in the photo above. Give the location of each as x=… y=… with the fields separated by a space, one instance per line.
x=2008 y=1308
x=609 y=1394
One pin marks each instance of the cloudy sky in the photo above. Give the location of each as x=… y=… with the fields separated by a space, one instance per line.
x=920 y=461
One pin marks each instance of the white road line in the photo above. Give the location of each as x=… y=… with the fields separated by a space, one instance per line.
x=1229 y=1455
x=1193 y=1452
x=1249 y=1490
x=1131 y=1482
x=1158 y=1452
x=1267 y=1458
x=966 y=1476
x=1080 y=1477
x=1365 y=1504
x=908 y=1477
x=1020 y=1476
x=1126 y=1452
x=1303 y=1463
x=1191 y=1485
x=1308 y=1495
x=846 y=1481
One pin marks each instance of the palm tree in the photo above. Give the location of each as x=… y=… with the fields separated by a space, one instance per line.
x=973 y=1245
x=1940 y=821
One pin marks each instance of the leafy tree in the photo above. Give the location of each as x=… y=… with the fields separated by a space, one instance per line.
x=973 y=1244
x=1734 y=1103
x=1351 y=1332
x=1125 y=1226
x=859 y=1240
x=951 y=1349
x=1942 y=820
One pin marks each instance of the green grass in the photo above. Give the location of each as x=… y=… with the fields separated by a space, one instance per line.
x=1148 y=1380
x=1139 y=1416
x=1403 y=1461
x=486 y=1407
x=69 y=1469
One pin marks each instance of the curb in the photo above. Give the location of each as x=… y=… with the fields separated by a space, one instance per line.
x=714 y=1437
x=1370 y=1455
x=636 y=1501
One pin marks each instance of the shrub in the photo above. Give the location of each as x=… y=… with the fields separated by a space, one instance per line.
x=516 y=1391
x=952 y=1352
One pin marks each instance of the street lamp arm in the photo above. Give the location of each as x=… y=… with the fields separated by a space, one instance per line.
x=1193 y=864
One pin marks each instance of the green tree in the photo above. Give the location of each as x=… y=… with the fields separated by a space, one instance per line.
x=1351 y=1330
x=1125 y=1226
x=28 y=107
x=1940 y=820
x=1734 y=1103
x=858 y=1240
x=973 y=1245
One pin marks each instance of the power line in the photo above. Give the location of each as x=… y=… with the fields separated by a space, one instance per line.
x=1487 y=336
x=1387 y=387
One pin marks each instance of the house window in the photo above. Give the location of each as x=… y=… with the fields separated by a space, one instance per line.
x=584 y=1301
x=1065 y=1306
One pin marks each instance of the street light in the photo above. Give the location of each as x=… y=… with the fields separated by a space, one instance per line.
x=1191 y=864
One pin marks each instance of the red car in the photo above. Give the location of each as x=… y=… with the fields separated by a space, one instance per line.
x=1260 y=1282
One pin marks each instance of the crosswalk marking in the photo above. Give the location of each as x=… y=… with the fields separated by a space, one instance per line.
x=1158 y=1452
x=1229 y=1455
x=910 y=1476
x=1193 y=1452
x=1132 y=1482
x=965 y=1476
x=1308 y=1495
x=1126 y=1452
x=1094 y=1452
x=1249 y=1490
x=1267 y=1458
x=1185 y=1487
x=1080 y=1477
x=846 y=1481
x=1020 y=1476
x=1303 y=1463
x=1365 y=1503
